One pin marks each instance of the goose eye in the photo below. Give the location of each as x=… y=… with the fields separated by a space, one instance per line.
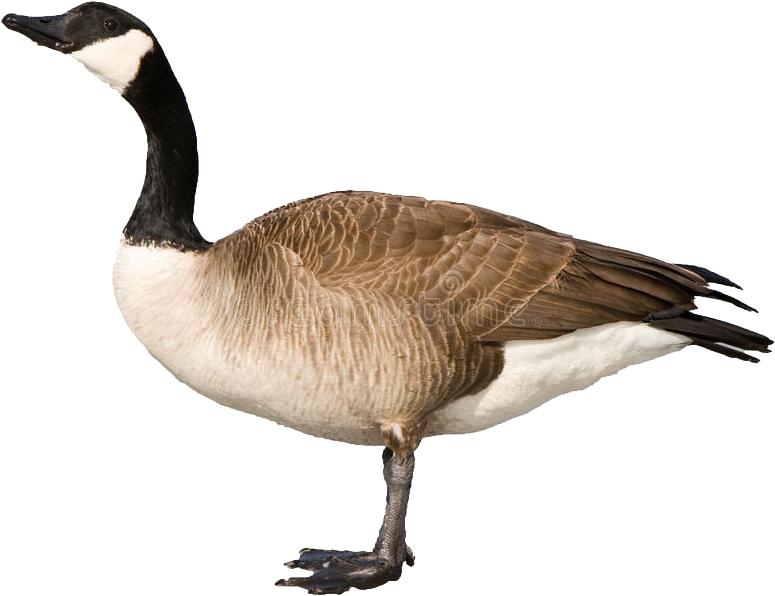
x=110 y=24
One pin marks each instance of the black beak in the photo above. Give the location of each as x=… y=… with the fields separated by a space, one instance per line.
x=45 y=31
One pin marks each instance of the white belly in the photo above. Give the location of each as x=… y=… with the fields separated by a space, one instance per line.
x=535 y=371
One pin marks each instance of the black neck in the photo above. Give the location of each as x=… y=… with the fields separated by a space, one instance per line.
x=164 y=214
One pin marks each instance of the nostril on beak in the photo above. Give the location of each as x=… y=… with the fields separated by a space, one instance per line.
x=45 y=21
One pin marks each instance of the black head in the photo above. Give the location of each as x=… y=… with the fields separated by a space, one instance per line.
x=78 y=28
x=110 y=42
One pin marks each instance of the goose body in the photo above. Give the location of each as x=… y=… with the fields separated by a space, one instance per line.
x=366 y=317
x=284 y=345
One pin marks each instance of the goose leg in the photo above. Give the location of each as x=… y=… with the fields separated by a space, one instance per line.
x=337 y=571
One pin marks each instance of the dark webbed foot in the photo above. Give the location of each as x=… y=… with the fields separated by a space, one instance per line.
x=336 y=571
x=313 y=559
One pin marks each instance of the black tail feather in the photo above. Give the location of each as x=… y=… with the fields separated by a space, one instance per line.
x=710 y=277
x=716 y=295
x=712 y=334
x=725 y=350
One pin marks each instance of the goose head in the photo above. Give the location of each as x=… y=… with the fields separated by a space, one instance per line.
x=110 y=42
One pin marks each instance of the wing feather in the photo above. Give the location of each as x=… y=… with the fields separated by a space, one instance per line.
x=499 y=277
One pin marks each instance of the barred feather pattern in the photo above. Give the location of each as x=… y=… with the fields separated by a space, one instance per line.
x=366 y=312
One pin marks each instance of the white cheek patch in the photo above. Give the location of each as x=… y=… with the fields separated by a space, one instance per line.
x=116 y=60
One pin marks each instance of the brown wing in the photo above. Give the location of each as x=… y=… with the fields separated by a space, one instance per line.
x=500 y=277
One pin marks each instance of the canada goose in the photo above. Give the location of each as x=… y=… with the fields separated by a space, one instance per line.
x=237 y=320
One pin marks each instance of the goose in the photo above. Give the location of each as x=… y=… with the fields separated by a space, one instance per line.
x=364 y=317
